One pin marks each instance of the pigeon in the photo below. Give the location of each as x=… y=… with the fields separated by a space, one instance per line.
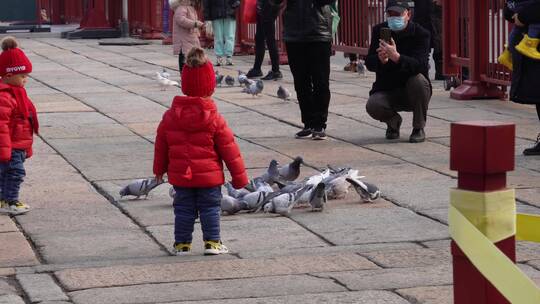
x=337 y=188
x=269 y=177
x=234 y=192
x=172 y=192
x=368 y=192
x=318 y=198
x=284 y=202
x=256 y=199
x=219 y=78
x=283 y=93
x=164 y=82
x=254 y=88
x=165 y=74
x=231 y=205
x=317 y=178
x=361 y=68
x=229 y=80
x=139 y=187
x=291 y=171
x=242 y=78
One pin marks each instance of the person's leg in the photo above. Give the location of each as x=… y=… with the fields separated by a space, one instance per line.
x=181 y=61
x=259 y=45
x=299 y=64
x=381 y=106
x=209 y=206
x=534 y=30
x=219 y=40
x=319 y=55
x=515 y=36
x=14 y=176
x=230 y=35
x=185 y=213
x=270 y=36
x=418 y=93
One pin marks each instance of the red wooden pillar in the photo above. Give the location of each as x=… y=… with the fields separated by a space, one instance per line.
x=478 y=43
x=153 y=28
x=450 y=36
x=95 y=17
x=482 y=152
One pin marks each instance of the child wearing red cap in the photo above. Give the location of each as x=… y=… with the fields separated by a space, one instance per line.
x=18 y=123
x=192 y=142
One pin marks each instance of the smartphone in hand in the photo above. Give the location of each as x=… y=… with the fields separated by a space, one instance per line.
x=386 y=34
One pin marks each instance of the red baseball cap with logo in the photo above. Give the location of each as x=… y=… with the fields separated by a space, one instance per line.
x=13 y=60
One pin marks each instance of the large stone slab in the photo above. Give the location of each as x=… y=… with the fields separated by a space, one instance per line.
x=41 y=287
x=77 y=279
x=429 y=295
x=354 y=297
x=11 y=299
x=410 y=257
x=6 y=224
x=15 y=250
x=363 y=225
x=80 y=125
x=208 y=290
x=5 y=287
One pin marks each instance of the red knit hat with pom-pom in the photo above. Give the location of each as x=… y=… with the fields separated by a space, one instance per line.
x=198 y=76
x=13 y=60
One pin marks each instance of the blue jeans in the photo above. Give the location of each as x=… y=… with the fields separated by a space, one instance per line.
x=224 y=36
x=12 y=174
x=190 y=202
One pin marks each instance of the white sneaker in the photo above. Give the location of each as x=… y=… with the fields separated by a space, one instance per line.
x=214 y=248
x=15 y=209
x=229 y=61
x=219 y=61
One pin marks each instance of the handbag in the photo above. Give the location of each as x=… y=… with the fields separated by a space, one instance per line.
x=249 y=11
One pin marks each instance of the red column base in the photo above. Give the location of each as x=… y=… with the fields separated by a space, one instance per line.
x=152 y=35
x=167 y=40
x=470 y=287
x=476 y=90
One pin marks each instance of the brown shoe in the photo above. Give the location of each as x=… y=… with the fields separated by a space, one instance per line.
x=351 y=67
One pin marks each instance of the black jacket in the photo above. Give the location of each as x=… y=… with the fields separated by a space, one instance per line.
x=413 y=46
x=422 y=13
x=219 y=9
x=527 y=16
x=307 y=20
x=267 y=10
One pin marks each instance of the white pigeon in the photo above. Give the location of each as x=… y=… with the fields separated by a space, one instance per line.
x=242 y=78
x=164 y=82
x=317 y=178
x=337 y=188
x=368 y=192
x=165 y=74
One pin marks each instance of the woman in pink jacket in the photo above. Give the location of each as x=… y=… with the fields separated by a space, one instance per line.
x=186 y=28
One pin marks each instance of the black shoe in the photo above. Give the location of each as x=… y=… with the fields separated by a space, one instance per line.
x=304 y=133
x=535 y=150
x=393 y=125
x=318 y=134
x=417 y=136
x=254 y=73
x=273 y=76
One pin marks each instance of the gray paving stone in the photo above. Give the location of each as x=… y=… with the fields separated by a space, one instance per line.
x=429 y=295
x=16 y=250
x=5 y=287
x=208 y=290
x=528 y=251
x=6 y=224
x=393 y=278
x=410 y=257
x=355 y=297
x=80 y=125
x=363 y=225
x=11 y=299
x=41 y=287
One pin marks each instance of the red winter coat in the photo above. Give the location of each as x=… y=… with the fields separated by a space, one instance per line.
x=16 y=131
x=192 y=141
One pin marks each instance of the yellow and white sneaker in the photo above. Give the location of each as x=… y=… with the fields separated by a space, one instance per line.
x=14 y=208
x=214 y=248
x=182 y=248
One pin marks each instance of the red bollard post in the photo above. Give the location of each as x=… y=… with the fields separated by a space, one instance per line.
x=482 y=152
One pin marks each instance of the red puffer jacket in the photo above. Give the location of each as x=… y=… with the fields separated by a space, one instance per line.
x=192 y=140
x=16 y=131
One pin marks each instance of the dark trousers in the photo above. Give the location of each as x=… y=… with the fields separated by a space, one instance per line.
x=192 y=202
x=266 y=32
x=12 y=174
x=414 y=97
x=310 y=66
x=181 y=62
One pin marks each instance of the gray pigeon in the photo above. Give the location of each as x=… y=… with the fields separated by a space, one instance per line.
x=361 y=68
x=254 y=88
x=229 y=80
x=139 y=187
x=255 y=199
x=231 y=205
x=318 y=197
x=240 y=193
x=368 y=192
x=219 y=78
x=284 y=202
x=269 y=177
x=283 y=93
x=242 y=78
x=291 y=171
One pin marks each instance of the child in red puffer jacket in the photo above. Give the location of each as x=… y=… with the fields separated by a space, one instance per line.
x=192 y=142
x=18 y=123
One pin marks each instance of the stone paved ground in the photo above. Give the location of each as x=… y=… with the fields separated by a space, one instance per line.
x=99 y=108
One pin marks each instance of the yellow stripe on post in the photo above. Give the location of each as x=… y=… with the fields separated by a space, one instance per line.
x=491 y=262
x=528 y=228
x=493 y=213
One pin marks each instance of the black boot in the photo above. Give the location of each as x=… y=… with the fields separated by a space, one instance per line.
x=534 y=150
x=417 y=136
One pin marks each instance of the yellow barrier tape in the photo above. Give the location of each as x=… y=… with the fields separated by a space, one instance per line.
x=528 y=227
x=491 y=262
x=493 y=213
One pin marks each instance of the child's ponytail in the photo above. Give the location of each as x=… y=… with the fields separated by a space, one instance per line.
x=196 y=57
x=9 y=43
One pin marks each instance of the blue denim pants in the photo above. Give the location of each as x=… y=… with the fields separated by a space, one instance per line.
x=12 y=174
x=192 y=202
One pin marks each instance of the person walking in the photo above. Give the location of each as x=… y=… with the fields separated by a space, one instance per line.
x=222 y=15
x=192 y=142
x=525 y=80
x=267 y=13
x=186 y=29
x=18 y=123
x=401 y=67
x=308 y=39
